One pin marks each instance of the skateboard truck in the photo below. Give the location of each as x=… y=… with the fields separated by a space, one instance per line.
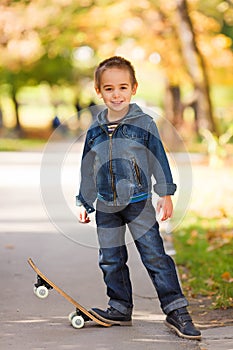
x=41 y=288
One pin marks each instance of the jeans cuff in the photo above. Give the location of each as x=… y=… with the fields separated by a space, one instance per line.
x=120 y=307
x=174 y=305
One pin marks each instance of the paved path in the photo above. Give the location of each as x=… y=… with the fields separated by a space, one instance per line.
x=70 y=259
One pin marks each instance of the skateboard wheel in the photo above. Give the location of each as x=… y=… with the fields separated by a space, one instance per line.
x=41 y=292
x=77 y=322
x=71 y=315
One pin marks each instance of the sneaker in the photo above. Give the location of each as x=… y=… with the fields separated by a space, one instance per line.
x=112 y=316
x=180 y=321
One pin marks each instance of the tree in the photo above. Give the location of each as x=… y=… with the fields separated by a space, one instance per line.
x=196 y=68
x=186 y=52
x=33 y=48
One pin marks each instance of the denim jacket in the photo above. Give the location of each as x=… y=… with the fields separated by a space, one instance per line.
x=117 y=168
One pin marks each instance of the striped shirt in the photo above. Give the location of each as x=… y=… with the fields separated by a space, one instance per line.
x=111 y=127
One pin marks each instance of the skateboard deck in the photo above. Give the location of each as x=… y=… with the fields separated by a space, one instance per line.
x=78 y=317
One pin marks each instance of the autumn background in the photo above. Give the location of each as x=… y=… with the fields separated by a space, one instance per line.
x=182 y=52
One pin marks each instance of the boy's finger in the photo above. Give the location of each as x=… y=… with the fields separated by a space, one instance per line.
x=165 y=215
x=84 y=218
x=160 y=214
x=81 y=219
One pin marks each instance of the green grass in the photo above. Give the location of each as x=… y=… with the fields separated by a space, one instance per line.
x=12 y=145
x=205 y=258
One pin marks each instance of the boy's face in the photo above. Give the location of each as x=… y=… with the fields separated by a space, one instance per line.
x=116 y=90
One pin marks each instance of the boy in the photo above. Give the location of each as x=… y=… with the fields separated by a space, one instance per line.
x=122 y=151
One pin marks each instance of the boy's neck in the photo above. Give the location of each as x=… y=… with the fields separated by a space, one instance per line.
x=113 y=116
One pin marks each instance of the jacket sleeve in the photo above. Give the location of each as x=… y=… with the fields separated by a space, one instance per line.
x=159 y=165
x=87 y=190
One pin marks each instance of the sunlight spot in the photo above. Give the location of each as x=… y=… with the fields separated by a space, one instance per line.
x=83 y=53
x=157 y=340
x=28 y=321
x=149 y=317
x=155 y=58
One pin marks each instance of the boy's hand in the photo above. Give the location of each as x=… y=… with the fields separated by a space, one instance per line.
x=82 y=215
x=165 y=204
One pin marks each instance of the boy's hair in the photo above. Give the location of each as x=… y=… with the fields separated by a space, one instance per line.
x=114 y=62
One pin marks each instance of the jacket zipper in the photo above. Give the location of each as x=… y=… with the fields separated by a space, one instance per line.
x=110 y=169
x=110 y=164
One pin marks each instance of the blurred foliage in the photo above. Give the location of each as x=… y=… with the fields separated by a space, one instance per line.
x=60 y=41
x=217 y=145
x=31 y=30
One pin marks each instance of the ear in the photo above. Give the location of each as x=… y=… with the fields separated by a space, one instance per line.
x=134 y=89
x=98 y=92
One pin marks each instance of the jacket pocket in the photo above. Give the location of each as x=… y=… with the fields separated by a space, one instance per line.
x=137 y=172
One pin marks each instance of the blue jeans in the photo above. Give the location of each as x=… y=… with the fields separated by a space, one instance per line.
x=113 y=256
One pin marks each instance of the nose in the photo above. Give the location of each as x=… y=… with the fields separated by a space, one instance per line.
x=116 y=93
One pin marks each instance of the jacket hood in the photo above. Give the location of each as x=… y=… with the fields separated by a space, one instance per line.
x=134 y=112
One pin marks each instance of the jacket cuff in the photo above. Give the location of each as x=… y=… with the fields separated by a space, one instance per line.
x=165 y=189
x=88 y=208
x=78 y=202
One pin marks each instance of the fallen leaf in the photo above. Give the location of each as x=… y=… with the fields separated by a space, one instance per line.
x=193 y=237
x=9 y=246
x=226 y=276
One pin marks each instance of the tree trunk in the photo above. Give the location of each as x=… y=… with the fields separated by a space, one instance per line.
x=18 y=127
x=173 y=105
x=1 y=119
x=196 y=68
x=173 y=109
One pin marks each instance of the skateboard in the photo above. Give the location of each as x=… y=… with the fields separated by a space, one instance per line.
x=76 y=318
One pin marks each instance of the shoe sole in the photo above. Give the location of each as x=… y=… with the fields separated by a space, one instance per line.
x=117 y=323
x=178 y=332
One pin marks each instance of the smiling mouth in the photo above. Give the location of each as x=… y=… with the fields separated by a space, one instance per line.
x=117 y=102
